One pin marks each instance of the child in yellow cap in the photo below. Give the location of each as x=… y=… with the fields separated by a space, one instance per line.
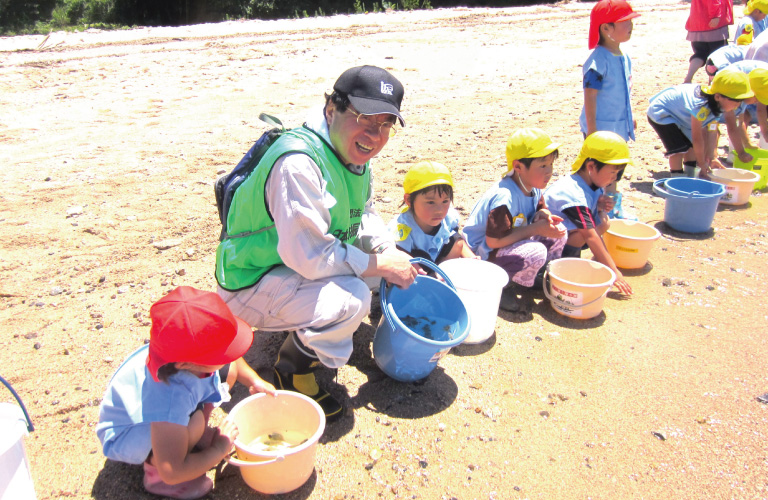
x=752 y=23
x=754 y=112
x=511 y=225
x=580 y=201
x=428 y=226
x=680 y=115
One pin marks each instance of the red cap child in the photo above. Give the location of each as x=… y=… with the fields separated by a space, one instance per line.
x=189 y=325
x=607 y=11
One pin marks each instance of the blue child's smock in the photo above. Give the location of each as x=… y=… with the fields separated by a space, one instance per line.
x=522 y=208
x=727 y=55
x=410 y=238
x=133 y=401
x=571 y=191
x=676 y=105
x=612 y=78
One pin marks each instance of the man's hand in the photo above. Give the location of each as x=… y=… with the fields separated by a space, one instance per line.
x=396 y=268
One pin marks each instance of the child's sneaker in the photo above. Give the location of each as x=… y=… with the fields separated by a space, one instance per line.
x=188 y=490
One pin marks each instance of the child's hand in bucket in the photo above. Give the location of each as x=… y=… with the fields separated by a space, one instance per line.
x=745 y=157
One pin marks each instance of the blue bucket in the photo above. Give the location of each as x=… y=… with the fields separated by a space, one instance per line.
x=691 y=203
x=699 y=188
x=419 y=325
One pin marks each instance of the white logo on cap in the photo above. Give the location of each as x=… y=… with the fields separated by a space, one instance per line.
x=387 y=88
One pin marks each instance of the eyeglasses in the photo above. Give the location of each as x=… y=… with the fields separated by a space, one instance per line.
x=367 y=121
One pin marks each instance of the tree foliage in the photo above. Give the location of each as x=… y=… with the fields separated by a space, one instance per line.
x=17 y=16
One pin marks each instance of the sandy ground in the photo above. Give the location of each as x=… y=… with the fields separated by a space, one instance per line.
x=111 y=143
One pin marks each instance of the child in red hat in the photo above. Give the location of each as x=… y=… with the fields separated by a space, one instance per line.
x=155 y=410
x=607 y=78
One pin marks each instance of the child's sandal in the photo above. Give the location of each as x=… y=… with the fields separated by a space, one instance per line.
x=188 y=490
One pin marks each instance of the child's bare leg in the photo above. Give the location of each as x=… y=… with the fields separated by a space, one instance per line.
x=194 y=488
x=575 y=240
x=675 y=164
x=693 y=67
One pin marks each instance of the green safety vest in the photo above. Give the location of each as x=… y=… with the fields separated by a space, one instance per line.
x=250 y=250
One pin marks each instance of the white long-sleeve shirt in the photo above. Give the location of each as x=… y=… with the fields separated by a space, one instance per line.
x=299 y=203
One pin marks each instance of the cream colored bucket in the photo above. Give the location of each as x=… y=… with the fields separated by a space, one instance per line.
x=577 y=287
x=630 y=242
x=292 y=415
x=738 y=184
x=479 y=284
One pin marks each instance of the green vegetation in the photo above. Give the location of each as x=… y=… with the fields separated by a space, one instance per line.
x=44 y=16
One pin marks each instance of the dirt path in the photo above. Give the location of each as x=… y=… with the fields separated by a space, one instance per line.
x=111 y=141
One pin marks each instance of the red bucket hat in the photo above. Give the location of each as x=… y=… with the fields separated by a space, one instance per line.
x=189 y=325
x=608 y=11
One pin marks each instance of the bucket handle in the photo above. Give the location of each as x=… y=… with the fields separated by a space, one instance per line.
x=244 y=463
x=422 y=262
x=664 y=193
x=658 y=190
x=30 y=427
x=567 y=305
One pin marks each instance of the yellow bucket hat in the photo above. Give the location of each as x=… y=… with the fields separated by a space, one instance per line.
x=425 y=174
x=605 y=147
x=731 y=83
x=528 y=143
x=758 y=81
x=752 y=5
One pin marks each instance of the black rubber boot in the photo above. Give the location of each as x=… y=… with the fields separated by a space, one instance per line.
x=294 y=371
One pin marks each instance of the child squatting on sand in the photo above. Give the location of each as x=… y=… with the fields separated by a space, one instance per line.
x=157 y=404
x=428 y=225
x=580 y=201
x=511 y=225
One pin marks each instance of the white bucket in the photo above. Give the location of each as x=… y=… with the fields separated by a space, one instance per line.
x=577 y=287
x=288 y=413
x=478 y=284
x=738 y=184
x=15 y=477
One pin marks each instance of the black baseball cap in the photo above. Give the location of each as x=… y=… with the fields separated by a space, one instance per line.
x=372 y=90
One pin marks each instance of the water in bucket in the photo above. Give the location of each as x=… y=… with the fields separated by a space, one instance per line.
x=419 y=325
x=278 y=439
